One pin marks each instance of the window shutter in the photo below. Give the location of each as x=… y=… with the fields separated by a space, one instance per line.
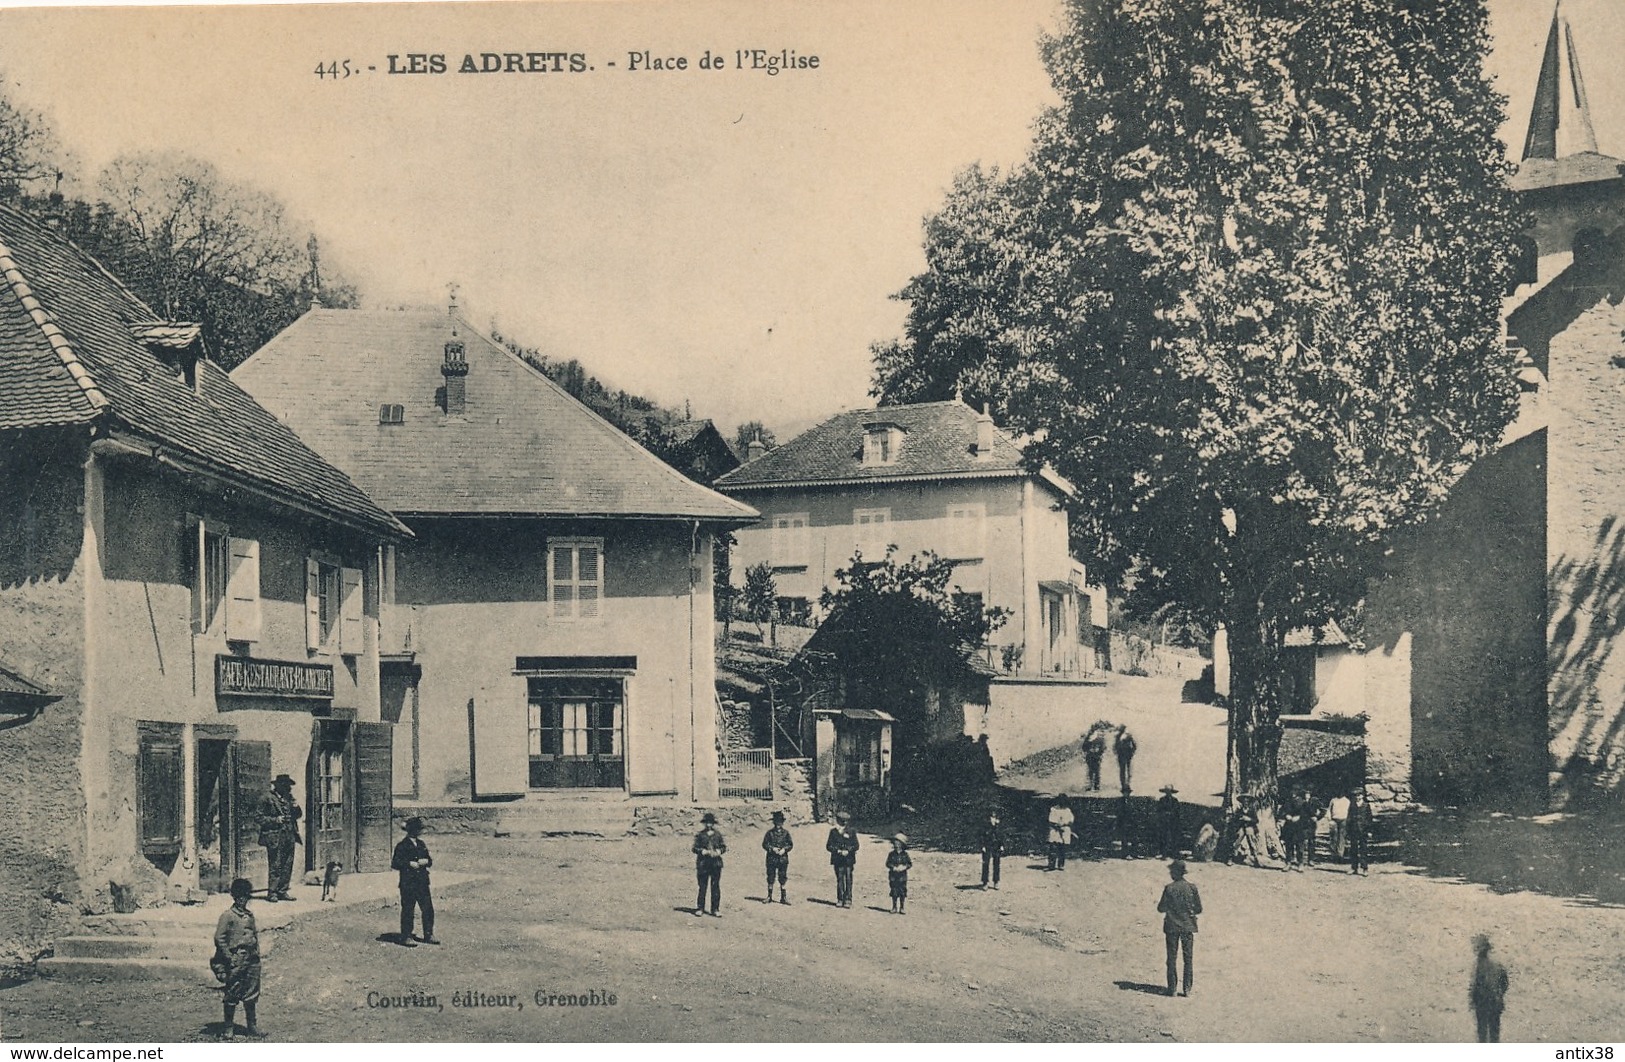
x=252 y=776
x=563 y=580
x=243 y=591
x=350 y=612
x=313 y=604
x=590 y=580
x=161 y=773
x=193 y=544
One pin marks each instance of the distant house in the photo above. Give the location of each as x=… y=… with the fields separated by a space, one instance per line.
x=698 y=450
x=551 y=625
x=188 y=606
x=933 y=477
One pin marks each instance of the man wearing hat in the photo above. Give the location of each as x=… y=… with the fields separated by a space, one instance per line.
x=279 y=832
x=843 y=856
x=1180 y=904
x=708 y=848
x=777 y=843
x=412 y=862
x=1168 y=823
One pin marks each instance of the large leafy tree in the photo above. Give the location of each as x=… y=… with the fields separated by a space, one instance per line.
x=198 y=246
x=1245 y=293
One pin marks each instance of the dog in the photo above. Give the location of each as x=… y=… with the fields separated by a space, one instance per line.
x=330 y=881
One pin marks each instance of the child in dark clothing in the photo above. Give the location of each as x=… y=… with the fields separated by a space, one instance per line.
x=897 y=864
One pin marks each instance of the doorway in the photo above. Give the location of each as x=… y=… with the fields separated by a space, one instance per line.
x=215 y=830
x=329 y=827
x=575 y=733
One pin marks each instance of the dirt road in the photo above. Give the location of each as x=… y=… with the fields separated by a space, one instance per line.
x=1053 y=956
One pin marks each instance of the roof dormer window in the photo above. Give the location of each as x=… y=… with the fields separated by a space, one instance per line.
x=881 y=443
x=176 y=345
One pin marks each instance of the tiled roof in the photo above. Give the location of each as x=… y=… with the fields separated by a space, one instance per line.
x=939 y=439
x=69 y=354
x=522 y=445
x=1581 y=168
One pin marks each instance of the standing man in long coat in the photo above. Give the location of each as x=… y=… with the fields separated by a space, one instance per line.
x=412 y=861
x=843 y=856
x=1180 y=904
x=279 y=832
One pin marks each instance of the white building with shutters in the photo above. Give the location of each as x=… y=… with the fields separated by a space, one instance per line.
x=188 y=594
x=550 y=625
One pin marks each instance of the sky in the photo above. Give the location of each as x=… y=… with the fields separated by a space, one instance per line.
x=722 y=238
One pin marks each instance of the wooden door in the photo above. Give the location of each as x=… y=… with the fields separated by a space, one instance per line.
x=251 y=782
x=374 y=789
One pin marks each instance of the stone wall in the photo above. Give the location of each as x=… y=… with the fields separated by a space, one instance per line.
x=1455 y=646
x=1586 y=517
x=42 y=610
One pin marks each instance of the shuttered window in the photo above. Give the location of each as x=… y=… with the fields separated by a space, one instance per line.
x=789 y=540
x=872 y=527
x=335 y=605
x=576 y=577
x=225 y=581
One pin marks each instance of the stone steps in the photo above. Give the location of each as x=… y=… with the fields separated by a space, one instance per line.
x=561 y=818
x=187 y=971
x=86 y=947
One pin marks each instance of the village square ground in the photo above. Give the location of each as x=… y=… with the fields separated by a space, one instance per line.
x=1316 y=956
x=1071 y=956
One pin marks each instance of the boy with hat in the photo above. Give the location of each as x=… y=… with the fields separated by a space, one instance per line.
x=708 y=848
x=842 y=847
x=413 y=862
x=897 y=864
x=237 y=958
x=777 y=843
x=279 y=832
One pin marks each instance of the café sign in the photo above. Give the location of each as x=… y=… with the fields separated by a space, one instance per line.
x=244 y=676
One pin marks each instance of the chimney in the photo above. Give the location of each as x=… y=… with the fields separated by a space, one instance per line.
x=984 y=434
x=754 y=449
x=455 y=370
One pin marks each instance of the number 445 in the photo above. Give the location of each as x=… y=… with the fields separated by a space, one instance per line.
x=337 y=69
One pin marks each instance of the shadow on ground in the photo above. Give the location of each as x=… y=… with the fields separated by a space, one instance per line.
x=1101 y=828
x=1561 y=855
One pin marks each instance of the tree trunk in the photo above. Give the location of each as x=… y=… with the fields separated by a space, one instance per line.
x=1254 y=732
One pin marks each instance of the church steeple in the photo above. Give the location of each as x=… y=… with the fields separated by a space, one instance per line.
x=1560 y=121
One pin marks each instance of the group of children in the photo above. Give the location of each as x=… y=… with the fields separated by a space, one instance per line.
x=842 y=846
